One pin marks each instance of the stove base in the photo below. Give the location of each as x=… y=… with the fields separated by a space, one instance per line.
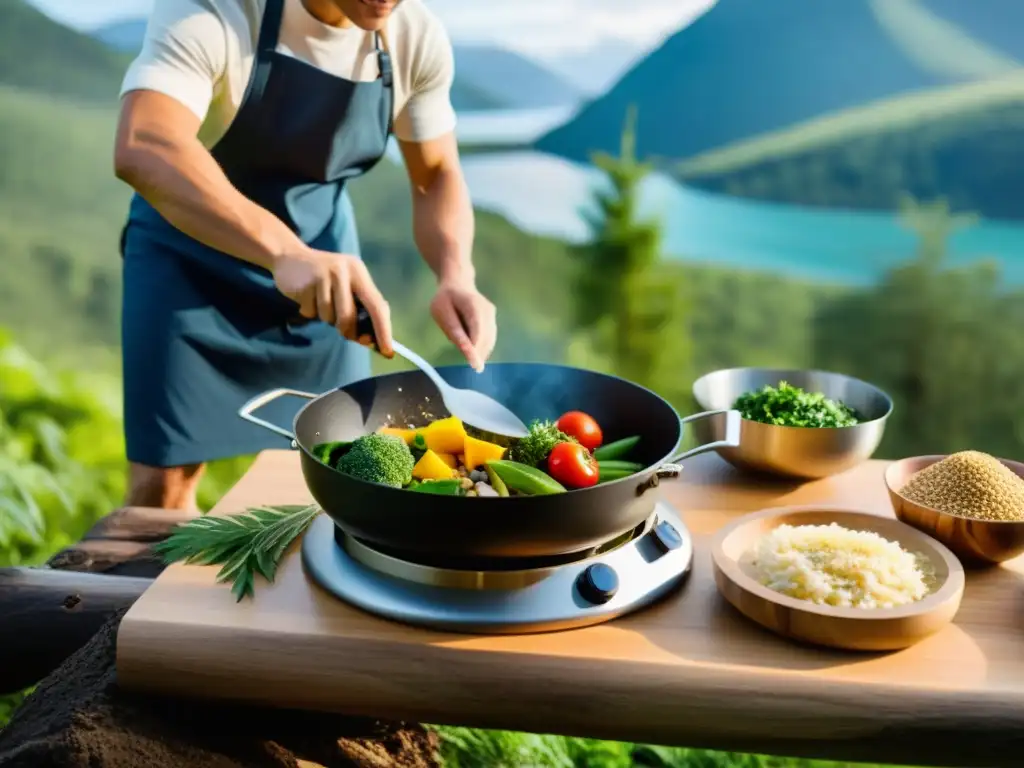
x=568 y=596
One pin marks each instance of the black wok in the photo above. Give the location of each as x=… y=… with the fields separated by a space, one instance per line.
x=463 y=529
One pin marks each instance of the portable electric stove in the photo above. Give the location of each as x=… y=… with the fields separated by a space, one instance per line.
x=507 y=596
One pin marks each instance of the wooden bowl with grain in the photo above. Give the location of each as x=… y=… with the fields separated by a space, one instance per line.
x=976 y=542
x=848 y=628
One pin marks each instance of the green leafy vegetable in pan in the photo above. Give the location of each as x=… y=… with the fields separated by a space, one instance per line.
x=538 y=444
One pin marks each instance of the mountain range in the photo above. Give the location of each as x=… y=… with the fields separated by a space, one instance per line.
x=997 y=23
x=747 y=68
x=36 y=53
x=486 y=77
x=595 y=69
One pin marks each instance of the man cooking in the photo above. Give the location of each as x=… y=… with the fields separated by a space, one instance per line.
x=241 y=120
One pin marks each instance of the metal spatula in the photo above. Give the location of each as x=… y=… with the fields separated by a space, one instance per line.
x=472 y=407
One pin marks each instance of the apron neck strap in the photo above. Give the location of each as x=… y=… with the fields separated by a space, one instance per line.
x=270 y=27
x=383 y=58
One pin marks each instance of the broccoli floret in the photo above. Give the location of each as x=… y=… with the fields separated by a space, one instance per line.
x=384 y=459
x=541 y=440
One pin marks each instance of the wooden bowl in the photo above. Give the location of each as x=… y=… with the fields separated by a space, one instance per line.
x=977 y=542
x=858 y=629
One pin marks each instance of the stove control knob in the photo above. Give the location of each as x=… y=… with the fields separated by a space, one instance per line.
x=598 y=583
x=666 y=537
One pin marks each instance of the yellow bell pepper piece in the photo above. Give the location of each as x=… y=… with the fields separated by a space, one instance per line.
x=479 y=452
x=432 y=467
x=408 y=435
x=449 y=459
x=445 y=435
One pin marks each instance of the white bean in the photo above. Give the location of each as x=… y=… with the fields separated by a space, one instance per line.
x=483 y=489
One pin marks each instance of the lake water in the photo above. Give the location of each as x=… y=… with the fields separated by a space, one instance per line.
x=509 y=127
x=546 y=195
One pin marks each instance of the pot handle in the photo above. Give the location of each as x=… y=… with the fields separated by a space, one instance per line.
x=246 y=411
x=731 y=439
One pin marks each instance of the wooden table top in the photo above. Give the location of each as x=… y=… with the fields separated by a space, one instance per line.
x=689 y=671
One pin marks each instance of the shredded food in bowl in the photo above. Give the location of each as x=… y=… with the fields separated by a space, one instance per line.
x=837 y=566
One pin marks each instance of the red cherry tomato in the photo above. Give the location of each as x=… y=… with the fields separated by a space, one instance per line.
x=573 y=466
x=583 y=427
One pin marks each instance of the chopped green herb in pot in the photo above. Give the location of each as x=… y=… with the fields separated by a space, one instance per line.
x=538 y=444
x=789 y=406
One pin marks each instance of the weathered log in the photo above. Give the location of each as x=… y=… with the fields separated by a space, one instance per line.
x=119 y=544
x=49 y=614
x=78 y=718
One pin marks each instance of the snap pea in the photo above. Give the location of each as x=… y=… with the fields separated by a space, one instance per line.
x=496 y=482
x=451 y=487
x=418 y=446
x=617 y=449
x=606 y=475
x=524 y=478
x=632 y=466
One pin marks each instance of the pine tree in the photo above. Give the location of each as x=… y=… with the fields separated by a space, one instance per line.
x=629 y=303
x=621 y=243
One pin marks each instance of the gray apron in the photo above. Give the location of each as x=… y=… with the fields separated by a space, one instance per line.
x=202 y=332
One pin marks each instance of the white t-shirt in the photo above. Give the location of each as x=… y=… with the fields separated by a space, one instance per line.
x=201 y=53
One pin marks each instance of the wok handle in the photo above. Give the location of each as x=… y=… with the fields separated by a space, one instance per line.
x=246 y=411
x=731 y=439
x=365 y=333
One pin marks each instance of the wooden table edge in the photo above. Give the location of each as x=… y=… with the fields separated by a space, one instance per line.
x=885 y=722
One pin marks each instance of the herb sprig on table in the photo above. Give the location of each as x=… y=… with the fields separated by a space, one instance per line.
x=244 y=545
x=789 y=406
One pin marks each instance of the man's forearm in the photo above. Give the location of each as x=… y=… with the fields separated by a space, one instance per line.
x=443 y=226
x=158 y=155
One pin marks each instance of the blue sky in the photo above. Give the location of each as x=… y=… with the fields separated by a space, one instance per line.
x=540 y=27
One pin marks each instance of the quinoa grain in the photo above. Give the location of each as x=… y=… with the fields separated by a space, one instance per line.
x=969 y=484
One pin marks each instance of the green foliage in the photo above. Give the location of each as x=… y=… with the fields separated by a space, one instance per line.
x=627 y=302
x=61 y=210
x=944 y=342
x=751 y=318
x=469 y=748
x=61 y=457
x=622 y=245
x=10 y=703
